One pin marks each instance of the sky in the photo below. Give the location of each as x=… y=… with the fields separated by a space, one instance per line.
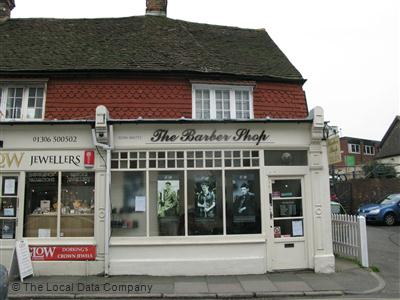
x=348 y=50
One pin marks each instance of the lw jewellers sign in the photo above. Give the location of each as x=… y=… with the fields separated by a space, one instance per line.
x=46 y=253
x=44 y=160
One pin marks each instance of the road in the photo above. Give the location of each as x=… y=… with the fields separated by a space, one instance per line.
x=384 y=253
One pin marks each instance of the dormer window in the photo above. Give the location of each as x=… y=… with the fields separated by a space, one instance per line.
x=22 y=102
x=221 y=102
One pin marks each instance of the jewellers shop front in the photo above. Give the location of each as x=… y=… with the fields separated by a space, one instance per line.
x=196 y=198
x=51 y=183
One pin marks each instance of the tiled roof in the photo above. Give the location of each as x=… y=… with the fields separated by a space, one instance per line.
x=139 y=44
x=390 y=145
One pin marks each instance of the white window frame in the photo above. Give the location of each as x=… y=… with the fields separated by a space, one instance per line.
x=355 y=148
x=5 y=86
x=371 y=150
x=213 y=108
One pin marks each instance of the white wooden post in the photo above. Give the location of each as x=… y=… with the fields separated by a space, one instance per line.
x=363 y=242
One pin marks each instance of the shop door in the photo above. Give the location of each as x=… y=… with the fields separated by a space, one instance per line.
x=287 y=232
x=8 y=206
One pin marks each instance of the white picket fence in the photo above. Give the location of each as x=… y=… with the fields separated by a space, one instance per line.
x=349 y=236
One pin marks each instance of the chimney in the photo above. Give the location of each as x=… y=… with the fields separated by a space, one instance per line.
x=156 y=7
x=6 y=7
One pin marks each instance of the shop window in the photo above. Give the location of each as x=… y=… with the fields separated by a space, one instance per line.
x=128 y=212
x=285 y=158
x=222 y=102
x=8 y=206
x=167 y=206
x=242 y=202
x=44 y=210
x=287 y=204
x=41 y=202
x=77 y=204
x=22 y=102
x=204 y=190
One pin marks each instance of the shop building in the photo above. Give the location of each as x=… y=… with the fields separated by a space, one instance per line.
x=204 y=160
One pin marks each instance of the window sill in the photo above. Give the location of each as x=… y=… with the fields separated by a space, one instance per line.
x=185 y=240
x=66 y=241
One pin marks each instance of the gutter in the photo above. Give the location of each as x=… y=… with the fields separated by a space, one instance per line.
x=157 y=121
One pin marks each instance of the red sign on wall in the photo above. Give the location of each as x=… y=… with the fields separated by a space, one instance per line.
x=40 y=253
x=89 y=158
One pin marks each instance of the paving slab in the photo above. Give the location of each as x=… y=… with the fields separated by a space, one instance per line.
x=256 y=283
x=224 y=284
x=187 y=286
x=289 y=282
x=320 y=282
x=357 y=280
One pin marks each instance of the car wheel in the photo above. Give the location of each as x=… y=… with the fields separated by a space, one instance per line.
x=389 y=219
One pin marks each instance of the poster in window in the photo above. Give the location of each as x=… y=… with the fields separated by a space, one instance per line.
x=297 y=228
x=10 y=186
x=168 y=202
x=205 y=197
x=7 y=229
x=277 y=231
x=244 y=199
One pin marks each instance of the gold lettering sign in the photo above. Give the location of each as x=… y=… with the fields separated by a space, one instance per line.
x=9 y=160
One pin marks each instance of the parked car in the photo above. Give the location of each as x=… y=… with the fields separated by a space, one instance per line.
x=337 y=208
x=387 y=211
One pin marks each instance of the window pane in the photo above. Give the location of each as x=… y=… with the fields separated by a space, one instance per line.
x=128 y=194
x=167 y=217
x=286 y=188
x=198 y=95
x=219 y=115
x=39 y=92
x=204 y=202
x=8 y=207
x=198 y=106
x=18 y=92
x=287 y=208
x=30 y=113
x=218 y=95
x=7 y=229
x=41 y=204
x=226 y=94
x=32 y=93
x=243 y=202
x=245 y=95
x=31 y=102
x=286 y=158
x=238 y=95
x=284 y=228
x=77 y=204
x=206 y=95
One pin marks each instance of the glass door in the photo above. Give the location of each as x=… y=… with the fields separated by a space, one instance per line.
x=287 y=213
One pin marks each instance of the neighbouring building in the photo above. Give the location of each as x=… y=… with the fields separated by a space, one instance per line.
x=148 y=145
x=356 y=153
x=390 y=146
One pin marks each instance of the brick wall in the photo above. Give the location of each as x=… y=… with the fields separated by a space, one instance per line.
x=355 y=192
x=157 y=98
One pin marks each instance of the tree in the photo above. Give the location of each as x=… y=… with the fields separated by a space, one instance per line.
x=379 y=170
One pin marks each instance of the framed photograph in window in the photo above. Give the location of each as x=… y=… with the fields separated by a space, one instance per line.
x=205 y=197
